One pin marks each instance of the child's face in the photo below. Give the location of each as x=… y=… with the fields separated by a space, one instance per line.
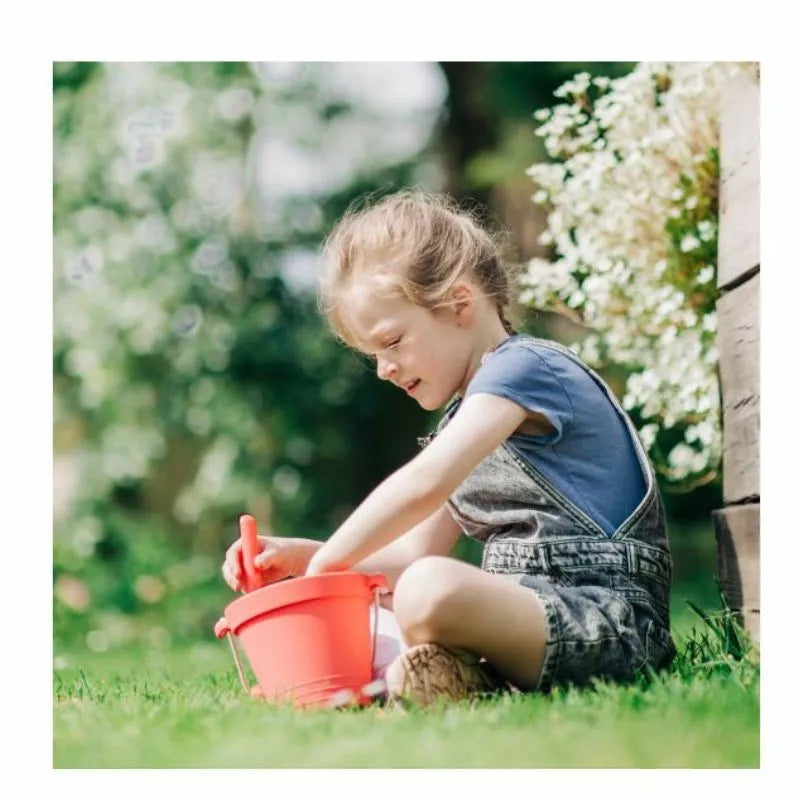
x=425 y=353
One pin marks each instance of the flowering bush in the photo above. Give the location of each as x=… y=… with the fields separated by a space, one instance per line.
x=193 y=378
x=632 y=199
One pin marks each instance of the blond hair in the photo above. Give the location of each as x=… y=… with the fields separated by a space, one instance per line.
x=422 y=242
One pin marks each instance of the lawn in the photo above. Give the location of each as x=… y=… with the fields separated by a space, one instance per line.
x=183 y=706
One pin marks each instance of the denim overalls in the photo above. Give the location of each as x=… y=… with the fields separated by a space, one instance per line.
x=606 y=599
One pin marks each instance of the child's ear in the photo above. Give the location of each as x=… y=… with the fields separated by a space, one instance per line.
x=463 y=297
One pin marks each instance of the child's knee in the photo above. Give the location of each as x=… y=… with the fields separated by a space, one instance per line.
x=425 y=596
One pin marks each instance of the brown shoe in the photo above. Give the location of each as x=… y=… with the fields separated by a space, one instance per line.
x=429 y=671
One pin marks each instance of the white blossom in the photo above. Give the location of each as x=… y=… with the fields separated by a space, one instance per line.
x=705 y=274
x=647 y=433
x=689 y=242
x=610 y=197
x=706 y=230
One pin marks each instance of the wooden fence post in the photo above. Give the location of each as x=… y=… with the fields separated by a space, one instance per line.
x=737 y=524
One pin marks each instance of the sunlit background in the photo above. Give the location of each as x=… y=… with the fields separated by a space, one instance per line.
x=194 y=379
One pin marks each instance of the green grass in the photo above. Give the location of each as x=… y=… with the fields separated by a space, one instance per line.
x=184 y=707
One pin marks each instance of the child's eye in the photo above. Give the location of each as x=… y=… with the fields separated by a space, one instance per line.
x=394 y=343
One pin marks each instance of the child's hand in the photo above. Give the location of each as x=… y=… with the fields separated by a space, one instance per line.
x=279 y=558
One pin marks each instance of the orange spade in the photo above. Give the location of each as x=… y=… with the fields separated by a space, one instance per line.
x=253 y=578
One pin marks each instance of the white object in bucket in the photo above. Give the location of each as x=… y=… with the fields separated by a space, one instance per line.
x=389 y=644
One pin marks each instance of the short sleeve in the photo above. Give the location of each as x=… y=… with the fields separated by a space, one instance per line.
x=521 y=374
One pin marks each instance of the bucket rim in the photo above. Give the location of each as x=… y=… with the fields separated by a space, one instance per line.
x=299 y=590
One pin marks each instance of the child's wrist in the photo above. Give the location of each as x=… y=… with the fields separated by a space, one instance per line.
x=325 y=559
x=306 y=551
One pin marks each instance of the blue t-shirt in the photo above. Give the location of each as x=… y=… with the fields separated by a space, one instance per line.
x=590 y=458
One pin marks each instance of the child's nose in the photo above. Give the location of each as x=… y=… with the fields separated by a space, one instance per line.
x=386 y=369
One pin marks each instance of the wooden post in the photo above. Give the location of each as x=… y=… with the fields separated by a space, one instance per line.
x=737 y=524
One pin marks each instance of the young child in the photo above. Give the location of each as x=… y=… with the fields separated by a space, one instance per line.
x=534 y=457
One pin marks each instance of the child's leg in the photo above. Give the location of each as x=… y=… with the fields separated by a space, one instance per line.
x=454 y=604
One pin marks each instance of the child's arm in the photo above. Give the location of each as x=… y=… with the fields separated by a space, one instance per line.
x=434 y=536
x=417 y=489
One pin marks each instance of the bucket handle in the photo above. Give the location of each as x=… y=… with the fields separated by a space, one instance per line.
x=374 y=582
x=223 y=628
x=376 y=592
x=239 y=669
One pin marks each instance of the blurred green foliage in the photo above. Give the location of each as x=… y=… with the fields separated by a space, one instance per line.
x=194 y=379
x=191 y=380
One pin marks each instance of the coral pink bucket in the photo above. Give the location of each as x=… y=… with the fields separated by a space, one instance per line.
x=307 y=639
